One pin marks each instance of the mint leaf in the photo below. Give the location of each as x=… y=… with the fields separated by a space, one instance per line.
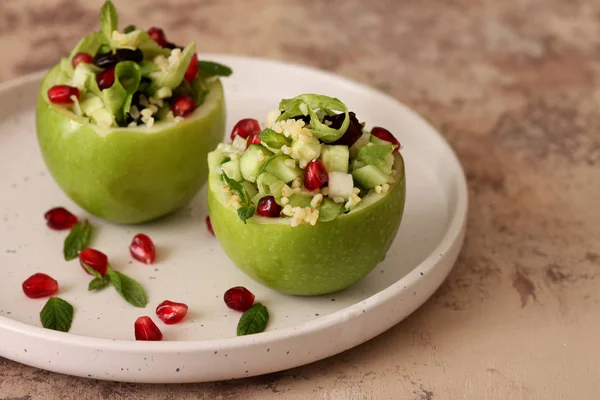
x=98 y=283
x=129 y=29
x=213 y=68
x=253 y=320
x=78 y=239
x=263 y=167
x=91 y=270
x=245 y=212
x=273 y=139
x=236 y=187
x=128 y=288
x=375 y=155
x=57 y=315
x=109 y=21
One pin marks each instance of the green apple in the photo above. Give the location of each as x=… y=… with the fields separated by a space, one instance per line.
x=128 y=175
x=306 y=259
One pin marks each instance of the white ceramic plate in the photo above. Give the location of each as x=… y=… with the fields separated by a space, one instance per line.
x=193 y=269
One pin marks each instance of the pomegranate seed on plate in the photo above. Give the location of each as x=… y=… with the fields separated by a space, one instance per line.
x=315 y=175
x=81 y=58
x=192 y=69
x=94 y=259
x=39 y=285
x=183 y=105
x=158 y=35
x=245 y=127
x=142 y=249
x=146 y=329
x=253 y=139
x=106 y=78
x=59 y=218
x=386 y=135
x=61 y=94
x=267 y=207
x=239 y=298
x=171 y=312
x=209 y=225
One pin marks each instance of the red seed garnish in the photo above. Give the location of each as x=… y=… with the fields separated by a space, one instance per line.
x=209 y=225
x=315 y=175
x=59 y=218
x=192 y=69
x=171 y=312
x=106 y=78
x=61 y=94
x=94 y=259
x=142 y=249
x=253 y=139
x=183 y=105
x=146 y=329
x=386 y=135
x=39 y=285
x=267 y=207
x=158 y=35
x=245 y=127
x=81 y=58
x=239 y=298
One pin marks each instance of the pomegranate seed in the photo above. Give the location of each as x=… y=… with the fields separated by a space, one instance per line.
x=267 y=207
x=209 y=225
x=106 y=78
x=59 y=218
x=192 y=69
x=142 y=249
x=239 y=298
x=171 y=312
x=245 y=127
x=146 y=329
x=61 y=94
x=253 y=139
x=386 y=135
x=158 y=35
x=39 y=285
x=81 y=58
x=183 y=105
x=315 y=175
x=94 y=259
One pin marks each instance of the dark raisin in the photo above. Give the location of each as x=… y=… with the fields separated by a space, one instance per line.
x=109 y=60
x=169 y=45
x=305 y=118
x=353 y=133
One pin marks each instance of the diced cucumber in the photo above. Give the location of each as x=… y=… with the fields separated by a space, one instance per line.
x=90 y=104
x=252 y=160
x=329 y=210
x=269 y=184
x=298 y=200
x=306 y=148
x=232 y=170
x=239 y=143
x=335 y=158
x=362 y=141
x=256 y=198
x=370 y=176
x=216 y=158
x=340 y=185
x=387 y=164
x=103 y=117
x=81 y=74
x=250 y=188
x=281 y=170
x=163 y=93
x=376 y=140
x=356 y=164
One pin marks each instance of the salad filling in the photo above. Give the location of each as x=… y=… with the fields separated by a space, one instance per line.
x=133 y=77
x=311 y=162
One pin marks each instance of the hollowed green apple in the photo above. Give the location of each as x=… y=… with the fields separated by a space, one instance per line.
x=306 y=259
x=128 y=175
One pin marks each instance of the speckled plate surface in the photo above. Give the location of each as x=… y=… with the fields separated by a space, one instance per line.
x=191 y=266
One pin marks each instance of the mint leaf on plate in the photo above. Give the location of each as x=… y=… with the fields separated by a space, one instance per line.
x=109 y=20
x=128 y=288
x=213 y=68
x=273 y=139
x=253 y=320
x=98 y=283
x=77 y=240
x=57 y=315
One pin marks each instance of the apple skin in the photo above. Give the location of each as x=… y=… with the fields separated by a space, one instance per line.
x=309 y=260
x=128 y=175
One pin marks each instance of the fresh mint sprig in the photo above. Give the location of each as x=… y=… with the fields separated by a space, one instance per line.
x=247 y=210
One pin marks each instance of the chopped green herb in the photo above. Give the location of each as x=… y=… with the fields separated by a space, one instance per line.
x=77 y=240
x=128 y=288
x=57 y=315
x=253 y=320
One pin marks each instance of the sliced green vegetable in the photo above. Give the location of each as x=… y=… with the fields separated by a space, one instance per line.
x=89 y=44
x=138 y=39
x=329 y=210
x=117 y=98
x=173 y=76
x=375 y=155
x=109 y=20
x=273 y=139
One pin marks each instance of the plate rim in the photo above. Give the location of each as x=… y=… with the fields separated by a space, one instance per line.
x=453 y=233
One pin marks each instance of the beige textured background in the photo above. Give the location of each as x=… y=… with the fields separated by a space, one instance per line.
x=513 y=86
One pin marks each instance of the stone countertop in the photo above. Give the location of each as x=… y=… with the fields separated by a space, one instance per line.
x=513 y=87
